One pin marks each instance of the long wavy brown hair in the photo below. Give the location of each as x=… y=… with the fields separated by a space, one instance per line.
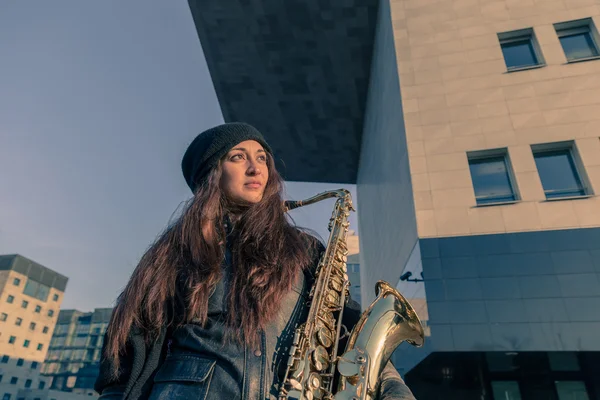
x=173 y=280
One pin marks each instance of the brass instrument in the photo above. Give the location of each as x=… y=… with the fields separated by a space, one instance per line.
x=313 y=364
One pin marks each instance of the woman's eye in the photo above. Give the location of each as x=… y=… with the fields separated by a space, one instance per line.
x=262 y=158
x=237 y=157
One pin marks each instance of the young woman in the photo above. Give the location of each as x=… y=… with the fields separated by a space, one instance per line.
x=211 y=308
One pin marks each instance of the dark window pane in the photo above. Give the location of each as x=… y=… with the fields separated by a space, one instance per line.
x=506 y=390
x=10 y=299
x=563 y=361
x=490 y=180
x=31 y=288
x=568 y=390
x=558 y=174
x=519 y=53
x=578 y=46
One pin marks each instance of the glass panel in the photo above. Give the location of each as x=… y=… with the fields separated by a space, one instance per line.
x=506 y=390
x=578 y=46
x=571 y=390
x=558 y=174
x=43 y=292
x=31 y=288
x=79 y=341
x=519 y=53
x=61 y=329
x=490 y=180
x=563 y=361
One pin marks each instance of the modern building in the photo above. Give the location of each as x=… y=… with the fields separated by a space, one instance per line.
x=73 y=359
x=472 y=131
x=30 y=299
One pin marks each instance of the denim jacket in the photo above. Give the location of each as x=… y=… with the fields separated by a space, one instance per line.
x=192 y=362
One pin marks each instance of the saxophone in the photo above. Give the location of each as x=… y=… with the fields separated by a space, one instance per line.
x=313 y=364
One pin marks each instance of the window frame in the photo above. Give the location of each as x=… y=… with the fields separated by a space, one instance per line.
x=510 y=37
x=16 y=282
x=584 y=25
x=10 y=299
x=571 y=148
x=491 y=154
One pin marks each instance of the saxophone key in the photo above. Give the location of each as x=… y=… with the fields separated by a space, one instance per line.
x=325 y=336
x=320 y=358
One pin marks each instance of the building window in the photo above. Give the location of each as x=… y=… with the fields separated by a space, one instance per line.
x=568 y=390
x=3 y=316
x=37 y=290
x=492 y=177
x=14 y=380
x=12 y=339
x=45 y=330
x=28 y=383
x=34 y=365
x=5 y=359
x=20 y=362
x=26 y=343
x=6 y=396
x=41 y=385
x=38 y=309
x=40 y=346
x=24 y=304
x=579 y=39
x=10 y=299
x=16 y=281
x=50 y=313
x=19 y=321
x=520 y=49
x=1 y=376
x=55 y=297
x=559 y=171
x=32 y=326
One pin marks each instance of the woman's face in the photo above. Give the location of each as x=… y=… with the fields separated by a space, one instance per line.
x=245 y=172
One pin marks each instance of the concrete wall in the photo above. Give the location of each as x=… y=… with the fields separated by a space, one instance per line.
x=458 y=97
x=386 y=215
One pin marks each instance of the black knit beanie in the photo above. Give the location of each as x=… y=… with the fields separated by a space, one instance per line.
x=207 y=148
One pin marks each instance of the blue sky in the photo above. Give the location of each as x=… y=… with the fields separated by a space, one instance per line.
x=98 y=101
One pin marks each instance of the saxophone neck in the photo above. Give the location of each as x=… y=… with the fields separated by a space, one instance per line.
x=343 y=195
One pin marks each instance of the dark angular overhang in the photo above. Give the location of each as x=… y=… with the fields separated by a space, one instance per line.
x=298 y=70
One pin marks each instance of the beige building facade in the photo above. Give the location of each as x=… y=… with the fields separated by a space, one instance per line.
x=30 y=299
x=458 y=98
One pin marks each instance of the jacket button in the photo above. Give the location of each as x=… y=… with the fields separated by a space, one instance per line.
x=258 y=353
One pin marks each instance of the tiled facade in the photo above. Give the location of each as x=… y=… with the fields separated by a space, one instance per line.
x=520 y=277
x=458 y=97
